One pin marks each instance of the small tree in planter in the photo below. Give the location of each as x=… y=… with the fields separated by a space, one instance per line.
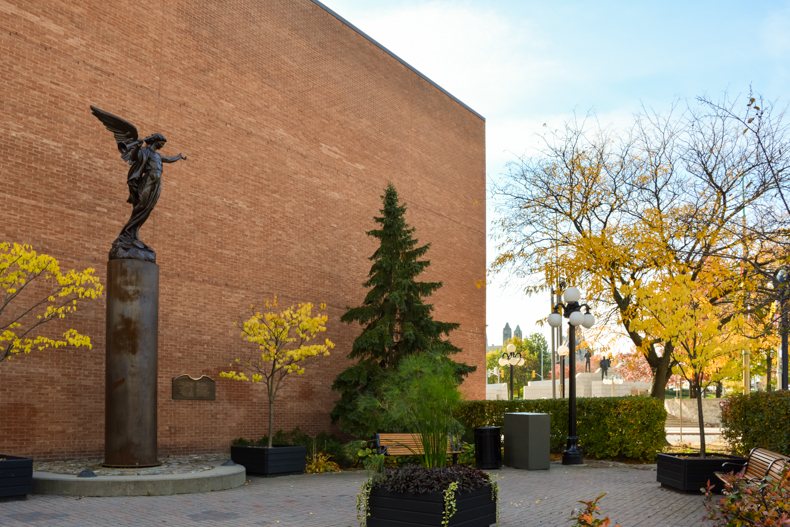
x=683 y=310
x=282 y=342
x=35 y=292
x=419 y=397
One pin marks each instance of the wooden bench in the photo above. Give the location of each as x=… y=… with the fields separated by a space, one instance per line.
x=761 y=463
x=391 y=444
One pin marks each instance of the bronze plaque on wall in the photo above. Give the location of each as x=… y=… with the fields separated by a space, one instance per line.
x=186 y=388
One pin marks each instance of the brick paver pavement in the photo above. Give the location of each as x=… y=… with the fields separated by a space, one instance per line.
x=328 y=500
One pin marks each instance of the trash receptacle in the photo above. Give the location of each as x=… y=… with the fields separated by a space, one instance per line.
x=488 y=447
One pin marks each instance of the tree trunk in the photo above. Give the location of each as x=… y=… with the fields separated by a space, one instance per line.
x=719 y=389
x=661 y=373
x=693 y=392
x=701 y=419
x=768 y=367
x=271 y=421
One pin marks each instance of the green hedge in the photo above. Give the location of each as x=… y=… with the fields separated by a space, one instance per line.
x=760 y=419
x=608 y=427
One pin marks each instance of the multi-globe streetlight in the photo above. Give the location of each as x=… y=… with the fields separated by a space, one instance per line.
x=511 y=358
x=571 y=309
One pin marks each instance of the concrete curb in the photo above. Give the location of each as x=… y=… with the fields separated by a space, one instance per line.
x=219 y=478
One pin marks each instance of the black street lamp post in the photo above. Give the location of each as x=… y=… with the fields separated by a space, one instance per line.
x=572 y=311
x=783 y=281
x=511 y=358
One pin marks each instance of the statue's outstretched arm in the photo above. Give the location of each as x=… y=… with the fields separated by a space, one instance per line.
x=173 y=159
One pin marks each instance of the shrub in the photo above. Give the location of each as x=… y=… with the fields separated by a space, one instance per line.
x=751 y=503
x=414 y=479
x=621 y=427
x=757 y=419
x=587 y=517
x=320 y=462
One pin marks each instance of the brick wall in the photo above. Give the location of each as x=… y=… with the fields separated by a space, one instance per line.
x=293 y=124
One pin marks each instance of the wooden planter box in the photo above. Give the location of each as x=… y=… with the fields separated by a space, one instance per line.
x=16 y=476
x=475 y=509
x=689 y=472
x=267 y=461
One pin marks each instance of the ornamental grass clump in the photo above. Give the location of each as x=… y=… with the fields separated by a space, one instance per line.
x=421 y=396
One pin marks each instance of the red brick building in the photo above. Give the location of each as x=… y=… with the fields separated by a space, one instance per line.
x=293 y=122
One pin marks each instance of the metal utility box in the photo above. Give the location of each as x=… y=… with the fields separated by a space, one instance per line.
x=527 y=440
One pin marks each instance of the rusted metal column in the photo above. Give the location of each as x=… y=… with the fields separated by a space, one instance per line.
x=131 y=356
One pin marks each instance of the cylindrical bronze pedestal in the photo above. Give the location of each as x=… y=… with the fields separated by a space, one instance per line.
x=130 y=371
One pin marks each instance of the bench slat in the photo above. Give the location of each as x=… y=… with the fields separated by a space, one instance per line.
x=762 y=463
x=395 y=444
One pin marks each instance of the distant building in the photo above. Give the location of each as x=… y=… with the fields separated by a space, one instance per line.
x=517 y=332
x=506 y=334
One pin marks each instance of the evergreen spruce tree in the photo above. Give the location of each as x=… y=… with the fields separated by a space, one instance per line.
x=396 y=321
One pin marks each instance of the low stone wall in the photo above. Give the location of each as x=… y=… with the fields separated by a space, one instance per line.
x=588 y=385
x=711 y=410
x=496 y=392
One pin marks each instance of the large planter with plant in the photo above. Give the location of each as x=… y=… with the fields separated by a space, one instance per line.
x=420 y=396
x=691 y=472
x=409 y=497
x=282 y=342
x=16 y=476
x=270 y=461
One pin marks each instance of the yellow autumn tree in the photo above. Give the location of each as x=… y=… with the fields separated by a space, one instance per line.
x=281 y=342
x=684 y=309
x=613 y=210
x=35 y=291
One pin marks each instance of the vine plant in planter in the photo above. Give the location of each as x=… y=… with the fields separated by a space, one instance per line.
x=419 y=397
x=282 y=340
x=34 y=291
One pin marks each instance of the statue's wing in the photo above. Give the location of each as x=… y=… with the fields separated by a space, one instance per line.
x=125 y=133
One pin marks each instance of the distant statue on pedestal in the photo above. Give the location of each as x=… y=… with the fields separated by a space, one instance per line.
x=604 y=364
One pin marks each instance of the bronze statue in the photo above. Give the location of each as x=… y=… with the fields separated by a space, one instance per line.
x=144 y=180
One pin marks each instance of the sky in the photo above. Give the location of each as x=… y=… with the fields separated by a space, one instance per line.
x=523 y=64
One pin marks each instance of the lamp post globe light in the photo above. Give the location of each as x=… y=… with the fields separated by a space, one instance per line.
x=571 y=309
x=511 y=358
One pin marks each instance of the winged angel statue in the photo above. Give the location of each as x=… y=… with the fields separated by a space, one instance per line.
x=144 y=180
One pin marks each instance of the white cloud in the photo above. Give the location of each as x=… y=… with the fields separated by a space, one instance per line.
x=474 y=52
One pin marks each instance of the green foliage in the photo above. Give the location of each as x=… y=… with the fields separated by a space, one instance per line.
x=757 y=419
x=751 y=503
x=617 y=427
x=396 y=321
x=420 y=397
x=531 y=348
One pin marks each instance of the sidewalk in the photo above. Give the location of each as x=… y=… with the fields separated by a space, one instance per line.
x=527 y=498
